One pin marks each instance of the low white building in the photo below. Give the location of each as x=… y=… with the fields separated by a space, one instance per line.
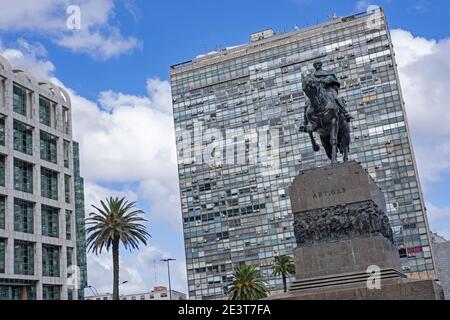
x=158 y=293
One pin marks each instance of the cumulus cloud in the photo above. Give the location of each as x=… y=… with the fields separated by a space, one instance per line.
x=143 y=270
x=126 y=141
x=424 y=70
x=98 y=37
x=29 y=56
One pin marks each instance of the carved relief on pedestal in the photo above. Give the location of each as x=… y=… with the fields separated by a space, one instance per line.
x=341 y=222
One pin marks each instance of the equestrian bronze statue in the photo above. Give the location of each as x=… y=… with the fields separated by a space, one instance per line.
x=325 y=113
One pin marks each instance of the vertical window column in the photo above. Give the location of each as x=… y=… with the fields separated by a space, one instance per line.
x=23 y=216
x=23 y=257
x=49 y=183
x=50 y=260
x=50 y=221
x=23 y=176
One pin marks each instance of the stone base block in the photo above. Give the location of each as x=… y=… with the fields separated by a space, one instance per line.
x=409 y=290
x=345 y=256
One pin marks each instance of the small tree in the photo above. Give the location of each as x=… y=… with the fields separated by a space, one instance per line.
x=247 y=284
x=284 y=266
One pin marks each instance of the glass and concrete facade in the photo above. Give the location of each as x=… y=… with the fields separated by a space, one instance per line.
x=158 y=293
x=42 y=237
x=237 y=114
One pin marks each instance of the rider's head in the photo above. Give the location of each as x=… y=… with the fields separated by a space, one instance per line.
x=317 y=65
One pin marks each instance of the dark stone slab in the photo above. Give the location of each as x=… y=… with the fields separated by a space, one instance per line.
x=345 y=256
x=332 y=186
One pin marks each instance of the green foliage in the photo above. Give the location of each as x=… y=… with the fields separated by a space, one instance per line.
x=115 y=218
x=247 y=284
x=283 y=266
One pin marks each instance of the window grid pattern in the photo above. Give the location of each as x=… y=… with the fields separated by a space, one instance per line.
x=45 y=111
x=19 y=100
x=23 y=216
x=2 y=130
x=67 y=188
x=50 y=221
x=68 y=224
x=48 y=147
x=2 y=255
x=23 y=176
x=51 y=292
x=23 y=257
x=2 y=212
x=50 y=261
x=2 y=170
x=23 y=138
x=49 y=183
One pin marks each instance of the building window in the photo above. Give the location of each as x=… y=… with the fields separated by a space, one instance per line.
x=23 y=176
x=45 y=111
x=69 y=254
x=66 y=153
x=68 y=224
x=50 y=221
x=50 y=261
x=19 y=100
x=142 y=297
x=23 y=138
x=2 y=211
x=2 y=255
x=48 y=147
x=2 y=131
x=66 y=120
x=23 y=257
x=2 y=170
x=23 y=216
x=49 y=183
x=51 y=292
x=67 y=188
x=69 y=294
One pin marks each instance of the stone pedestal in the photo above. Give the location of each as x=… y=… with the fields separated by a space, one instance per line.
x=345 y=245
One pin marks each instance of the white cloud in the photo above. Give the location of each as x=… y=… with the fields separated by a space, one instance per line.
x=362 y=5
x=424 y=70
x=439 y=219
x=142 y=269
x=29 y=56
x=97 y=37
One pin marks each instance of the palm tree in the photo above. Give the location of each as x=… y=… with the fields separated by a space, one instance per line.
x=247 y=284
x=115 y=222
x=284 y=266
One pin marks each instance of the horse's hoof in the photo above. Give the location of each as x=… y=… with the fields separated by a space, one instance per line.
x=316 y=148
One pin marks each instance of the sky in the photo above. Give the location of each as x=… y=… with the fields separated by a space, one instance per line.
x=116 y=69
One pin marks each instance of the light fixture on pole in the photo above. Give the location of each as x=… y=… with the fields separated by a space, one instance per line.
x=168 y=272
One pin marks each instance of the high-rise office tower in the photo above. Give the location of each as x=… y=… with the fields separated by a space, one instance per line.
x=42 y=233
x=237 y=116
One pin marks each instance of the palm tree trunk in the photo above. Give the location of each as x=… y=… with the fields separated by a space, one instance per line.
x=115 y=252
x=284 y=283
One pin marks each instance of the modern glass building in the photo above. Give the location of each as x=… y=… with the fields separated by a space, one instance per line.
x=42 y=233
x=237 y=115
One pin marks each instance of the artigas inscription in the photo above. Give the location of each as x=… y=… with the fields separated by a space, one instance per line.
x=329 y=193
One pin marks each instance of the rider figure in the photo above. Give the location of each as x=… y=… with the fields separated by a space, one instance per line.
x=331 y=85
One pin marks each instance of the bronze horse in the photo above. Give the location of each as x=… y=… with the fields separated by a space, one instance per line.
x=322 y=116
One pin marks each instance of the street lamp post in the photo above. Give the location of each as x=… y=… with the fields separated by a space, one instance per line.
x=168 y=272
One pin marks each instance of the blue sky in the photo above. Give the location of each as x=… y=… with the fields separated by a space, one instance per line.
x=117 y=68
